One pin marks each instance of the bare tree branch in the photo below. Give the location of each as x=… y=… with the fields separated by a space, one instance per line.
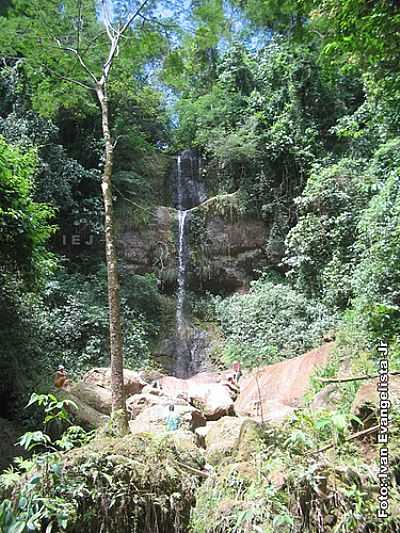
x=79 y=58
x=111 y=32
x=132 y=17
x=115 y=41
x=363 y=433
x=154 y=21
x=354 y=378
x=69 y=80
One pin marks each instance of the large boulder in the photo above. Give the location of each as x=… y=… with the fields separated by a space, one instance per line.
x=150 y=397
x=99 y=398
x=365 y=404
x=153 y=419
x=271 y=393
x=88 y=416
x=133 y=381
x=250 y=438
x=222 y=438
x=206 y=391
x=213 y=399
x=328 y=398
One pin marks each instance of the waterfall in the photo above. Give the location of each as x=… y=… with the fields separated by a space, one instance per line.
x=189 y=193
x=181 y=273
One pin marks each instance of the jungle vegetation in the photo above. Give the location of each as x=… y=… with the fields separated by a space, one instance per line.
x=295 y=105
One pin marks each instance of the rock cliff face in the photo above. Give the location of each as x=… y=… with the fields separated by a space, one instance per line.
x=228 y=254
x=151 y=248
x=225 y=252
x=272 y=392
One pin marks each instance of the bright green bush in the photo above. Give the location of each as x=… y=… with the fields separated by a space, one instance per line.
x=320 y=248
x=377 y=276
x=271 y=322
x=24 y=223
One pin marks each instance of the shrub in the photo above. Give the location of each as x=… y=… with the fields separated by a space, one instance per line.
x=74 y=320
x=135 y=484
x=24 y=223
x=377 y=276
x=320 y=251
x=270 y=322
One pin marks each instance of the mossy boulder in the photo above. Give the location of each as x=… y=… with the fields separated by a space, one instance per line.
x=251 y=437
x=135 y=484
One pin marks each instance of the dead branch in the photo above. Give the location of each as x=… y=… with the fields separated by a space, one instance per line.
x=373 y=429
x=354 y=378
x=193 y=470
x=114 y=39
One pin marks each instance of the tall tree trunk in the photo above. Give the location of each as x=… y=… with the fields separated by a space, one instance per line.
x=119 y=415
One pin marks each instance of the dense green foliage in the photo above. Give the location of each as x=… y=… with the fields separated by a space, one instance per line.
x=270 y=322
x=24 y=223
x=100 y=484
x=295 y=107
x=266 y=119
x=269 y=493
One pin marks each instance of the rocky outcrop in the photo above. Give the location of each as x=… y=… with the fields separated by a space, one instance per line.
x=365 y=404
x=152 y=247
x=272 y=393
x=98 y=397
x=209 y=394
x=192 y=350
x=101 y=377
x=88 y=416
x=91 y=397
x=228 y=253
x=229 y=435
x=150 y=397
x=222 y=438
x=207 y=391
x=153 y=419
x=328 y=398
x=225 y=252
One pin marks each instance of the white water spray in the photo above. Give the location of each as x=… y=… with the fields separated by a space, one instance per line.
x=189 y=193
x=181 y=278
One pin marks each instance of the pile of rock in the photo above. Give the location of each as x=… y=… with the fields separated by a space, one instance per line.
x=211 y=408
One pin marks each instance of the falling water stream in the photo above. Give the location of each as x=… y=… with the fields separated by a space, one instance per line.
x=189 y=193
x=181 y=274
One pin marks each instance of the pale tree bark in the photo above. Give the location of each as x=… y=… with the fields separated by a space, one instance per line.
x=99 y=82
x=119 y=418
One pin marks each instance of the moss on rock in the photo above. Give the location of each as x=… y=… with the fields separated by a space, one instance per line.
x=135 y=484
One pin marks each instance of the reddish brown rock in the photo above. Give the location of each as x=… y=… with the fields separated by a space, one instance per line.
x=101 y=377
x=153 y=419
x=206 y=391
x=271 y=393
x=365 y=404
